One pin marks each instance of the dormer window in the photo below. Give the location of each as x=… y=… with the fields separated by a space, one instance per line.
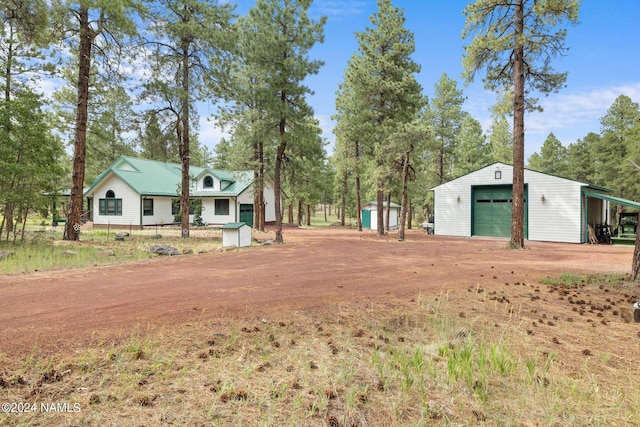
x=207 y=182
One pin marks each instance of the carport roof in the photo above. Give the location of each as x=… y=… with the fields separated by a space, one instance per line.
x=612 y=199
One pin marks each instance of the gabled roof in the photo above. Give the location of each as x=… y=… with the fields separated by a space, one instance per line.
x=506 y=165
x=155 y=178
x=240 y=181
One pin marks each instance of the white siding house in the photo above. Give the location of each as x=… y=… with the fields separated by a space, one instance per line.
x=137 y=192
x=556 y=209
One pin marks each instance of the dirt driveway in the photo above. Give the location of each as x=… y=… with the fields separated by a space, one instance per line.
x=58 y=311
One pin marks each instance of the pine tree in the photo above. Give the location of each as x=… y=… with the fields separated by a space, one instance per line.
x=472 y=150
x=100 y=29
x=515 y=42
x=445 y=116
x=501 y=140
x=382 y=75
x=553 y=158
x=191 y=40
x=282 y=36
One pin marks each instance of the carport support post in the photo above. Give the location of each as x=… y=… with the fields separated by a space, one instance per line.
x=635 y=266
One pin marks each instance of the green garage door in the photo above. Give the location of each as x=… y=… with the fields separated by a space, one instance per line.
x=492 y=211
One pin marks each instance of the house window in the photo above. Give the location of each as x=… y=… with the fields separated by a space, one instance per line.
x=498 y=175
x=110 y=206
x=147 y=207
x=208 y=182
x=175 y=206
x=222 y=207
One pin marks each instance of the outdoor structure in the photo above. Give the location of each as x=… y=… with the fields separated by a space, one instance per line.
x=139 y=192
x=556 y=209
x=369 y=215
x=236 y=234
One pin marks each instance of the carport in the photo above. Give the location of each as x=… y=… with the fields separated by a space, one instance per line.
x=603 y=219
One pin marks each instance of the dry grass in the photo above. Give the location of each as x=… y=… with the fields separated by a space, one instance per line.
x=513 y=355
x=44 y=249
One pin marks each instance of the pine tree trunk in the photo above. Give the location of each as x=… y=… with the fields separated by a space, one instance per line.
x=387 y=213
x=635 y=266
x=276 y=190
x=74 y=208
x=258 y=186
x=184 y=143
x=344 y=200
x=358 y=199
x=380 y=210
x=8 y=214
x=299 y=219
x=517 y=213
x=403 y=202
x=308 y=215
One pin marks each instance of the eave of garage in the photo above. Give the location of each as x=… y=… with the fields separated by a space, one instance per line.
x=612 y=199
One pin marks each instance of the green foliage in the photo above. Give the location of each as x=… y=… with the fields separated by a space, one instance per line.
x=582 y=166
x=618 y=145
x=278 y=36
x=472 y=151
x=29 y=158
x=196 y=205
x=501 y=140
x=445 y=117
x=156 y=143
x=379 y=97
x=553 y=158
x=492 y=27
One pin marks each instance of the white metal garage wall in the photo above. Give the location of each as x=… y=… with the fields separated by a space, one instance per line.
x=554 y=208
x=556 y=217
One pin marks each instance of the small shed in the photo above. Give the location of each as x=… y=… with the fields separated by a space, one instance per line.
x=236 y=234
x=369 y=215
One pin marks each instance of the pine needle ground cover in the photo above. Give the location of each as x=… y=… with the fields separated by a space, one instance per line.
x=558 y=353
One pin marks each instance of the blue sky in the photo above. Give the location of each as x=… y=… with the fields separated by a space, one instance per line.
x=603 y=62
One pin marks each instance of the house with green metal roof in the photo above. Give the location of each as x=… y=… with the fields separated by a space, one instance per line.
x=140 y=192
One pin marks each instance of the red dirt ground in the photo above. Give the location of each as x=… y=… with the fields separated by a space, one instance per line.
x=59 y=311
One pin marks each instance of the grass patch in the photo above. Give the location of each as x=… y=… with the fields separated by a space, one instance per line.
x=573 y=280
x=43 y=248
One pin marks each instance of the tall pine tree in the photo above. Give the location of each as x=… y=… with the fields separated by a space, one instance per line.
x=382 y=75
x=515 y=42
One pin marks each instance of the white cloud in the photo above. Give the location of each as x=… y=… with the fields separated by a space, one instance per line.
x=570 y=115
x=210 y=133
x=340 y=8
x=327 y=125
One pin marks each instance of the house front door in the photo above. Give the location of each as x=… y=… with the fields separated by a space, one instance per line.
x=246 y=214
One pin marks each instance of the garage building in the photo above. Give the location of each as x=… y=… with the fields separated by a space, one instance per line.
x=556 y=209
